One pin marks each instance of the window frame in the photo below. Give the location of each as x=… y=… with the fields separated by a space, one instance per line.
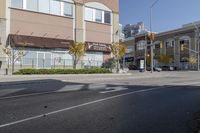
x=109 y=17
x=97 y=19
x=72 y=9
x=48 y=12
x=37 y=10
x=52 y=11
x=22 y=4
x=94 y=15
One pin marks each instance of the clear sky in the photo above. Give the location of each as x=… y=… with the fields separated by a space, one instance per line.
x=167 y=14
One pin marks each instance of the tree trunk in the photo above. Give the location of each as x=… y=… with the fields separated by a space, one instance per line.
x=117 y=66
x=74 y=62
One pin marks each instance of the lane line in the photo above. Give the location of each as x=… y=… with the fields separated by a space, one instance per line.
x=80 y=105
x=51 y=92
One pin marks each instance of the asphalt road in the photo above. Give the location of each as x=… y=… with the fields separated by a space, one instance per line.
x=123 y=108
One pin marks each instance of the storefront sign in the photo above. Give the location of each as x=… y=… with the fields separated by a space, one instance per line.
x=129 y=59
x=141 y=64
x=98 y=47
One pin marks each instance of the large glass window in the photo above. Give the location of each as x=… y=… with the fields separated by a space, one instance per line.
x=17 y=3
x=107 y=17
x=68 y=9
x=32 y=5
x=44 y=6
x=89 y=14
x=98 y=16
x=55 y=7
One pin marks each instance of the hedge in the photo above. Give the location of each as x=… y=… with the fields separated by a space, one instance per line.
x=62 y=71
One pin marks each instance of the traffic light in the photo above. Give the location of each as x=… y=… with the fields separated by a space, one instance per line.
x=182 y=47
x=152 y=36
x=161 y=45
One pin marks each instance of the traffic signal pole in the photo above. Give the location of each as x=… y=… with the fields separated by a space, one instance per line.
x=151 y=7
x=151 y=45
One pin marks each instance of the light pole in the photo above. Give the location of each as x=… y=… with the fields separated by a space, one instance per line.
x=151 y=7
x=145 y=53
x=197 y=43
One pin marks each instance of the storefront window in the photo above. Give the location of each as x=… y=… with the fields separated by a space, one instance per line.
x=32 y=5
x=17 y=3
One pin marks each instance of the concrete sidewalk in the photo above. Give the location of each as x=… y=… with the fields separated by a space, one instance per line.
x=82 y=77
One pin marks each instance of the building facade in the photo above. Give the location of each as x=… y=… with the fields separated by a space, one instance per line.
x=131 y=30
x=169 y=43
x=47 y=28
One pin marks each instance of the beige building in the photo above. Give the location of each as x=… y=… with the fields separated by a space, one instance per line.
x=46 y=28
x=169 y=43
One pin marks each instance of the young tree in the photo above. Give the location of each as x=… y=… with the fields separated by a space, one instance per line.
x=192 y=61
x=165 y=59
x=14 y=55
x=118 y=51
x=77 y=50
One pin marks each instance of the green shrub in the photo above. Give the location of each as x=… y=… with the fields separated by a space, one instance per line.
x=61 y=71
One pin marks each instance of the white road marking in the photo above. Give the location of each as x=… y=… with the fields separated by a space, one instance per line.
x=70 y=88
x=4 y=92
x=113 y=89
x=78 y=106
x=97 y=86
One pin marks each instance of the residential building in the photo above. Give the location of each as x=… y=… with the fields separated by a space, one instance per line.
x=131 y=30
x=47 y=28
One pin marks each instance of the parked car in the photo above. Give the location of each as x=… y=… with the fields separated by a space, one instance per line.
x=132 y=67
x=167 y=68
x=154 y=69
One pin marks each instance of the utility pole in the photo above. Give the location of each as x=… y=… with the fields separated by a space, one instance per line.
x=145 y=54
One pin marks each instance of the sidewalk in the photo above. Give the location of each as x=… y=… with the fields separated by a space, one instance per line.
x=82 y=77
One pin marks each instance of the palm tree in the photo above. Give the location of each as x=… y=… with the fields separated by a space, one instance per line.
x=77 y=50
x=118 y=51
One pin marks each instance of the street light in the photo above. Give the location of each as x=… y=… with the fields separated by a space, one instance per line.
x=151 y=7
x=198 y=37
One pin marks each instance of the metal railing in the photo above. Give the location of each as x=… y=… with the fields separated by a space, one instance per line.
x=6 y=64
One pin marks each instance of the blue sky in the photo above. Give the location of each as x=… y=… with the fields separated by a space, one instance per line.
x=167 y=14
